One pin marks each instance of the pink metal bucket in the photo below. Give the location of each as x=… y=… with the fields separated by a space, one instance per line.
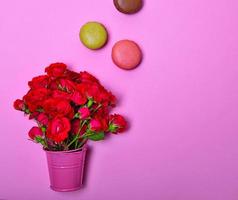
x=66 y=169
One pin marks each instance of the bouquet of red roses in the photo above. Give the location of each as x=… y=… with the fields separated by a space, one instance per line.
x=69 y=108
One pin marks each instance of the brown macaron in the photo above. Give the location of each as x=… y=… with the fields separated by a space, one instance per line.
x=128 y=6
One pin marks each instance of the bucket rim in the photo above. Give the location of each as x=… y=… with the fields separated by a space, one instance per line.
x=83 y=148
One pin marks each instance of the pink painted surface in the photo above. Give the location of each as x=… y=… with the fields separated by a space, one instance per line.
x=182 y=101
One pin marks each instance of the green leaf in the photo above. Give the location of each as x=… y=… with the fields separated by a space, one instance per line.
x=112 y=128
x=76 y=116
x=96 y=136
x=40 y=110
x=89 y=132
x=43 y=129
x=27 y=111
x=90 y=102
x=39 y=139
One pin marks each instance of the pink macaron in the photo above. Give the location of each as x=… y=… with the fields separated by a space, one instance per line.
x=126 y=54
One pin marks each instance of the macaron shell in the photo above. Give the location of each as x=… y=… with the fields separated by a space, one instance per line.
x=128 y=6
x=93 y=35
x=126 y=54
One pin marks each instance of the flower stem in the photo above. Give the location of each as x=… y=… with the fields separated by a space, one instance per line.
x=82 y=143
x=99 y=106
x=77 y=136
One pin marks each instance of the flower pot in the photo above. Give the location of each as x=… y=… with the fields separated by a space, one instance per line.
x=66 y=169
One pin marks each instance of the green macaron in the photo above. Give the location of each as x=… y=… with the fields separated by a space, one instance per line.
x=93 y=35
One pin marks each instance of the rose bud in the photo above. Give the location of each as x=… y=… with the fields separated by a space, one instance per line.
x=95 y=125
x=85 y=77
x=33 y=115
x=39 y=82
x=34 y=132
x=19 y=105
x=43 y=119
x=84 y=113
x=56 y=70
x=66 y=85
x=78 y=98
x=117 y=123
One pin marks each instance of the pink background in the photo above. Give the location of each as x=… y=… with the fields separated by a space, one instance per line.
x=182 y=102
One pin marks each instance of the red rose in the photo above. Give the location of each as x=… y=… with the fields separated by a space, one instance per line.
x=112 y=99
x=58 y=129
x=78 y=98
x=93 y=90
x=19 y=105
x=33 y=115
x=85 y=77
x=58 y=107
x=101 y=112
x=61 y=101
x=104 y=123
x=66 y=85
x=74 y=76
x=35 y=97
x=100 y=94
x=54 y=84
x=106 y=98
x=42 y=119
x=84 y=113
x=34 y=132
x=95 y=125
x=82 y=88
x=56 y=70
x=60 y=94
x=39 y=82
x=117 y=123
x=98 y=125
